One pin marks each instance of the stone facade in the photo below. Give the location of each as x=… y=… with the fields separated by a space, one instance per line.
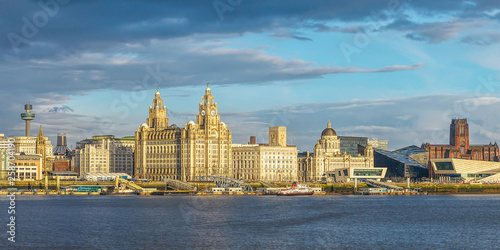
x=105 y=154
x=328 y=158
x=164 y=151
x=274 y=162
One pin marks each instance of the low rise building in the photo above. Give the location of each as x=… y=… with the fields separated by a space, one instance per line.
x=465 y=170
x=28 y=167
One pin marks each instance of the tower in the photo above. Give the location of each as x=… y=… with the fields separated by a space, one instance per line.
x=277 y=136
x=28 y=116
x=41 y=150
x=157 y=113
x=208 y=117
x=459 y=135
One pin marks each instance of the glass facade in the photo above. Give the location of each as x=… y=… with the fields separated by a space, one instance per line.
x=444 y=165
x=367 y=172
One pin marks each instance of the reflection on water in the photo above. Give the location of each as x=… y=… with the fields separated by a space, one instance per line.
x=230 y=222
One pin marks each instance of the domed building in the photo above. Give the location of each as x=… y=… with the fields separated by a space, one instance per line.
x=326 y=160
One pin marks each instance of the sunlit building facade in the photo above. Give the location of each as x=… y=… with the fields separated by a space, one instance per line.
x=273 y=162
x=327 y=158
x=164 y=151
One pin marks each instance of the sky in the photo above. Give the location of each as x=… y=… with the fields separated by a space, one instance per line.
x=393 y=70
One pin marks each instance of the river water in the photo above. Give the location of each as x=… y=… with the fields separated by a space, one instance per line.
x=255 y=222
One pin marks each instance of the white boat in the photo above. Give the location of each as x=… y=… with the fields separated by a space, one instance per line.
x=297 y=189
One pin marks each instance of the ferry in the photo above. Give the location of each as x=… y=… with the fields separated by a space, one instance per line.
x=297 y=189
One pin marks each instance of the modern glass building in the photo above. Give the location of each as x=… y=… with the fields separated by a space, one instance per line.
x=466 y=170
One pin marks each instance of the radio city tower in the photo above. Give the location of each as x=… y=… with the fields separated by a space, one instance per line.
x=28 y=116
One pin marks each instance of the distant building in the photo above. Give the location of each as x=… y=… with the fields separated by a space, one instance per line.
x=105 y=154
x=459 y=146
x=28 y=167
x=62 y=163
x=28 y=145
x=4 y=160
x=349 y=144
x=377 y=143
x=274 y=162
x=327 y=158
x=62 y=145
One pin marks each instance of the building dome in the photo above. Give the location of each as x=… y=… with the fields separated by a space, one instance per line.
x=144 y=125
x=328 y=131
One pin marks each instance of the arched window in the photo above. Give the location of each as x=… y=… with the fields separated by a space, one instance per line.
x=462 y=148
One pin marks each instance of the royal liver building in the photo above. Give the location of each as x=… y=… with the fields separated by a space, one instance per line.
x=165 y=151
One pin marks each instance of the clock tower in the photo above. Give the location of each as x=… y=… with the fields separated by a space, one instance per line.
x=208 y=117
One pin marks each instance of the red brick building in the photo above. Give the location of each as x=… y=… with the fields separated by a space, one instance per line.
x=459 y=146
x=62 y=164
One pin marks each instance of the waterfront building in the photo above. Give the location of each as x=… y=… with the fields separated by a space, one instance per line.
x=460 y=148
x=4 y=160
x=458 y=170
x=273 y=162
x=62 y=163
x=105 y=176
x=63 y=175
x=105 y=154
x=28 y=167
x=327 y=157
x=39 y=145
x=164 y=151
x=416 y=153
x=399 y=166
x=27 y=145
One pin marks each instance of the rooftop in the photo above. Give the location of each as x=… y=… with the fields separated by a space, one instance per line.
x=399 y=157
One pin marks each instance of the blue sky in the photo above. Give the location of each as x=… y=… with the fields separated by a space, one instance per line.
x=396 y=70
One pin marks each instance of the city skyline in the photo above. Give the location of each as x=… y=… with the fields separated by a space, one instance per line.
x=298 y=67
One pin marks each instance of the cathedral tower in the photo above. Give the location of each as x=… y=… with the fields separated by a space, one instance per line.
x=459 y=135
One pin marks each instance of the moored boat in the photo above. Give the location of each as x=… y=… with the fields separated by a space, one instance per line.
x=297 y=189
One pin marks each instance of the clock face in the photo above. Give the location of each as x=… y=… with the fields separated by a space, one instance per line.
x=212 y=112
x=203 y=113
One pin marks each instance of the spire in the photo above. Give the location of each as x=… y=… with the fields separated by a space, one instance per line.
x=40 y=133
x=329 y=125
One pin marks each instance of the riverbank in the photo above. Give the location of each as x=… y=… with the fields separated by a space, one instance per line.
x=331 y=189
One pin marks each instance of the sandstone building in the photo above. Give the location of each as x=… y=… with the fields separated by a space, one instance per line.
x=164 y=151
x=327 y=158
x=273 y=162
